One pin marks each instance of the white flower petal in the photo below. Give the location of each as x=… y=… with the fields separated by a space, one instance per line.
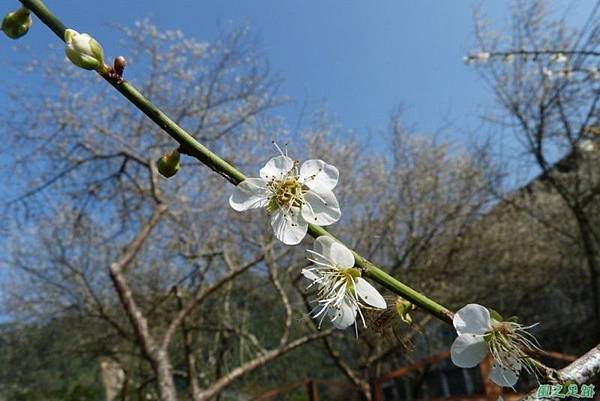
x=322 y=246
x=369 y=294
x=334 y=252
x=473 y=319
x=69 y=35
x=341 y=256
x=468 y=350
x=277 y=168
x=251 y=193
x=289 y=227
x=587 y=145
x=321 y=208
x=316 y=174
x=81 y=43
x=342 y=316
x=504 y=376
x=309 y=274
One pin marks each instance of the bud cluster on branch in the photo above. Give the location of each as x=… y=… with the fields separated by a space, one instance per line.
x=551 y=57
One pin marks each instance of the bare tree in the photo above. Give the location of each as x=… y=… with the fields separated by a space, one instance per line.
x=548 y=98
x=105 y=224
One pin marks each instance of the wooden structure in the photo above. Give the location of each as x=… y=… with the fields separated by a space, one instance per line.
x=491 y=391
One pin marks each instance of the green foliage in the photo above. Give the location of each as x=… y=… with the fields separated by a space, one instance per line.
x=38 y=362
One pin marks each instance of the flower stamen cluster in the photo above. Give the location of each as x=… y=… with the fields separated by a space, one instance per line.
x=509 y=343
x=342 y=292
x=293 y=195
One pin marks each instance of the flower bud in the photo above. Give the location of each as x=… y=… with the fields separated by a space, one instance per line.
x=558 y=58
x=403 y=307
x=586 y=145
x=495 y=315
x=168 y=165
x=17 y=23
x=84 y=51
x=566 y=73
x=483 y=57
x=119 y=65
x=508 y=58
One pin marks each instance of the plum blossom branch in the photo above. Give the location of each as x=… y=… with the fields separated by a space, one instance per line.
x=555 y=56
x=190 y=146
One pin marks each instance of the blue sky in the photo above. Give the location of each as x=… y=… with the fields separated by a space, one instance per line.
x=364 y=58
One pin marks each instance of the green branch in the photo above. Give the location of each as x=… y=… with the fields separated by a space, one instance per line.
x=192 y=147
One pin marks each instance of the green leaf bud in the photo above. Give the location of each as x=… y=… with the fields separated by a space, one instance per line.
x=17 y=23
x=403 y=307
x=168 y=165
x=495 y=315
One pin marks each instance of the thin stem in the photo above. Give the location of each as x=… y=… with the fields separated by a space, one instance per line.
x=535 y=53
x=190 y=146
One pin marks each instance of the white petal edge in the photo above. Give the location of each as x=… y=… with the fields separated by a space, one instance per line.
x=316 y=174
x=251 y=193
x=69 y=35
x=322 y=246
x=342 y=316
x=289 y=227
x=334 y=252
x=321 y=208
x=468 y=350
x=369 y=294
x=277 y=168
x=81 y=43
x=473 y=319
x=310 y=275
x=504 y=376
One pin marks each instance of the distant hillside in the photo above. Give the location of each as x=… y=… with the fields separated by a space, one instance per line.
x=41 y=362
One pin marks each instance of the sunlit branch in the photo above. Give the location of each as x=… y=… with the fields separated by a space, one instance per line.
x=190 y=146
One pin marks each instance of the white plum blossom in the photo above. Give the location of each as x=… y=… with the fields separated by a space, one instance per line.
x=586 y=145
x=341 y=291
x=566 y=73
x=483 y=57
x=83 y=50
x=294 y=196
x=480 y=334
x=508 y=58
x=593 y=74
x=547 y=73
x=558 y=58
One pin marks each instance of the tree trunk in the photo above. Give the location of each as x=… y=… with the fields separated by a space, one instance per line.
x=164 y=377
